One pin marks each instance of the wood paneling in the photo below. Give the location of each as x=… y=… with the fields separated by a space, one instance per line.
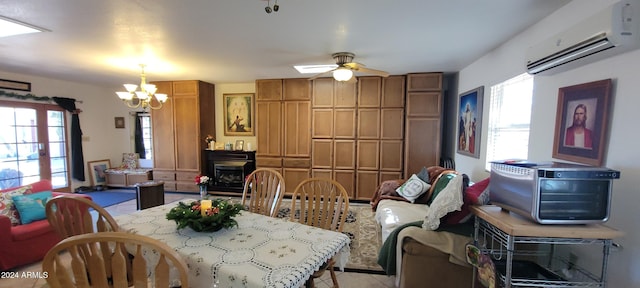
x=268 y=128
x=322 y=156
x=369 y=91
x=424 y=82
x=368 y=154
x=269 y=89
x=392 y=123
x=369 y=123
x=344 y=123
x=322 y=93
x=322 y=123
x=297 y=135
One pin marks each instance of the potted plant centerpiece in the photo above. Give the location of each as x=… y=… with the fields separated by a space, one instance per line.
x=206 y=215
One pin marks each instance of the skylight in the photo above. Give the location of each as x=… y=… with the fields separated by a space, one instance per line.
x=10 y=27
x=309 y=69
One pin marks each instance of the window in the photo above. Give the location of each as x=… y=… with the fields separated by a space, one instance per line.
x=509 y=119
x=145 y=121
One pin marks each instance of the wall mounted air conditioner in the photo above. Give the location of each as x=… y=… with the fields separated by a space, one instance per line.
x=612 y=31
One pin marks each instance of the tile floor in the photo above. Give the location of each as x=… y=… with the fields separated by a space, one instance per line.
x=346 y=279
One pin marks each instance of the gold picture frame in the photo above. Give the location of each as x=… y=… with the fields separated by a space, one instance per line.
x=119 y=122
x=238 y=114
x=587 y=106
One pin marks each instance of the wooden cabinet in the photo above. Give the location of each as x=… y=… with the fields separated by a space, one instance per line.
x=284 y=118
x=179 y=129
x=423 y=122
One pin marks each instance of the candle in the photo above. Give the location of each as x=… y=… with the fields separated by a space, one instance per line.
x=204 y=205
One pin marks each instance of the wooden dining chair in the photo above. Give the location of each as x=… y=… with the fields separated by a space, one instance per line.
x=69 y=215
x=324 y=203
x=263 y=192
x=97 y=260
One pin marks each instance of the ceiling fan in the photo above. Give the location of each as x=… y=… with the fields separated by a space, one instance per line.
x=345 y=69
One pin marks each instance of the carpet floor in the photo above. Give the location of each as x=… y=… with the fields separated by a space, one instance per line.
x=365 y=235
x=111 y=197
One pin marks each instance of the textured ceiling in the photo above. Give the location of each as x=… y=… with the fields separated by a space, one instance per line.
x=226 y=41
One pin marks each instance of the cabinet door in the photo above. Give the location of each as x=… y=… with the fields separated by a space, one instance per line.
x=366 y=184
x=368 y=123
x=344 y=123
x=187 y=136
x=346 y=178
x=424 y=82
x=345 y=94
x=422 y=146
x=322 y=173
x=344 y=154
x=424 y=104
x=392 y=123
x=296 y=89
x=268 y=130
x=368 y=152
x=393 y=92
x=322 y=93
x=322 y=155
x=369 y=92
x=391 y=155
x=293 y=177
x=164 y=156
x=269 y=89
x=322 y=123
x=297 y=135
x=385 y=175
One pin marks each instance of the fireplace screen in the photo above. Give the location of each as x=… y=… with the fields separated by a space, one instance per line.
x=229 y=174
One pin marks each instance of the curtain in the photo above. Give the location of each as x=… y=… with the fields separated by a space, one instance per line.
x=139 y=141
x=77 y=158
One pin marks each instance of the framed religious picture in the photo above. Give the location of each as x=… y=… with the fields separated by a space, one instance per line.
x=581 y=122
x=470 y=122
x=238 y=114
x=96 y=171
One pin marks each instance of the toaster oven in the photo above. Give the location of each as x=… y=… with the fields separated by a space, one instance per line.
x=553 y=192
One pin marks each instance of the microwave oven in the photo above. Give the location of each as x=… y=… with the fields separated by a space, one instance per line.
x=553 y=192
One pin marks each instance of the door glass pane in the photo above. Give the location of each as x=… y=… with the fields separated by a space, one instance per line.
x=57 y=149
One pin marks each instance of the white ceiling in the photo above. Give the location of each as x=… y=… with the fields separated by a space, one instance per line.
x=227 y=41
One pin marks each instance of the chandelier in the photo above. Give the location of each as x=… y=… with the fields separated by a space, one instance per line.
x=142 y=98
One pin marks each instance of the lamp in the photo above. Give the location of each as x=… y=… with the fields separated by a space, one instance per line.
x=342 y=74
x=142 y=98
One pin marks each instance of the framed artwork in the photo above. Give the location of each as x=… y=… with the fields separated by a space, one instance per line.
x=96 y=171
x=581 y=122
x=238 y=114
x=119 y=122
x=470 y=122
x=15 y=85
x=239 y=145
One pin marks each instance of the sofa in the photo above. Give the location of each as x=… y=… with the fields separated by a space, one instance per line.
x=128 y=173
x=23 y=244
x=427 y=252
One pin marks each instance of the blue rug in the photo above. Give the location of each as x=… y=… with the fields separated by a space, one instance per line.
x=108 y=198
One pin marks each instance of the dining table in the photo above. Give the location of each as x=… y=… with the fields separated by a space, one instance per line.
x=261 y=251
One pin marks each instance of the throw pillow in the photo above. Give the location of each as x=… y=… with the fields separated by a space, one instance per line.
x=440 y=183
x=31 y=206
x=6 y=204
x=476 y=194
x=447 y=200
x=413 y=188
x=424 y=175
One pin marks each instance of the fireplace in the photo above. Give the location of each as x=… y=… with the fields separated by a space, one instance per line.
x=228 y=169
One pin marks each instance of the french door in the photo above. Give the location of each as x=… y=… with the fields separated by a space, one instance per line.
x=33 y=145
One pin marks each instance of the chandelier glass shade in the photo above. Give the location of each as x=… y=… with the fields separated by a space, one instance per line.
x=342 y=74
x=144 y=97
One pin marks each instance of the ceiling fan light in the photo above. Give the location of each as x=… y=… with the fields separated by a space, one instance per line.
x=342 y=74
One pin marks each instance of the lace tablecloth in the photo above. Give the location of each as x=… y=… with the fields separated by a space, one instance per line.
x=262 y=252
